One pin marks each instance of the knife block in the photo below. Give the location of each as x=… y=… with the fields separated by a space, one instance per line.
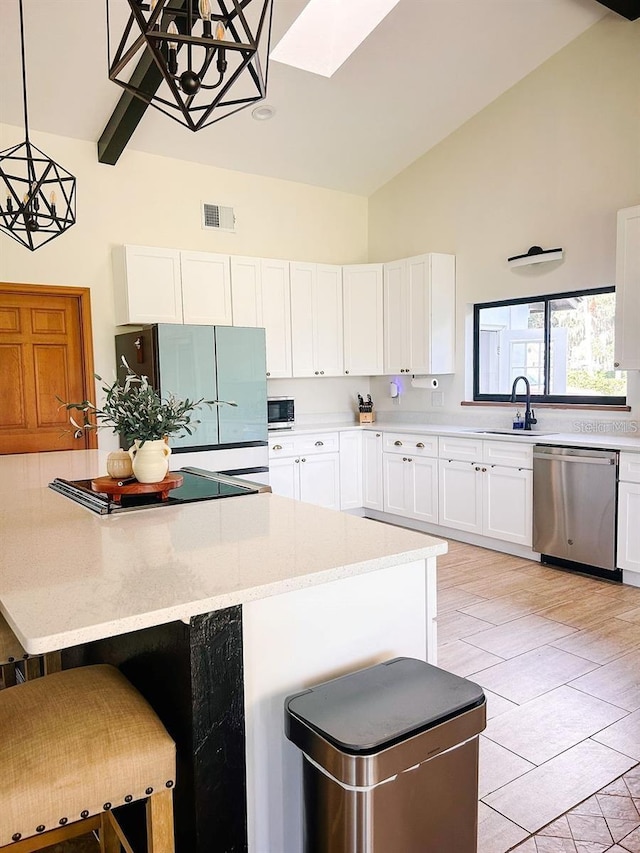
x=367 y=417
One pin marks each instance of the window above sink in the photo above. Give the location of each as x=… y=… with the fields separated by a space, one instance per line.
x=562 y=343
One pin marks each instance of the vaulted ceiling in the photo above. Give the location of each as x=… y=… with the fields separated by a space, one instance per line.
x=430 y=66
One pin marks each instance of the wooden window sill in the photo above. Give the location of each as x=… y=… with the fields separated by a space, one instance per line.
x=568 y=407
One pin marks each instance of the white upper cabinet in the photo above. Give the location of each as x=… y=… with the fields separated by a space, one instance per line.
x=147 y=285
x=261 y=297
x=362 y=289
x=627 y=345
x=206 y=289
x=246 y=291
x=419 y=315
x=154 y=285
x=316 y=319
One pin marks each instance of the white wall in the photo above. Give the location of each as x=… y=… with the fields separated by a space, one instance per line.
x=155 y=201
x=548 y=163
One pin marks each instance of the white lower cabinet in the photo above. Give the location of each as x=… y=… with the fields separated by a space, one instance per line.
x=629 y=513
x=411 y=486
x=628 y=527
x=320 y=480
x=487 y=491
x=507 y=504
x=306 y=468
x=460 y=496
x=486 y=498
x=372 y=479
x=410 y=476
x=284 y=477
x=351 y=469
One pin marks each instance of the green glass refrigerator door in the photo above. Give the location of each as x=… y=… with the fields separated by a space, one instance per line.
x=186 y=360
x=242 y=368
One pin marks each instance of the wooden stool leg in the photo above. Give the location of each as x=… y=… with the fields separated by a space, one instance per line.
x=9 y=674
x=31 y=668
x=109 y=841
x=52 y=663
x=160 y=822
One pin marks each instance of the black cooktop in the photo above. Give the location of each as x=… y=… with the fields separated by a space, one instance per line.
x=198 y=485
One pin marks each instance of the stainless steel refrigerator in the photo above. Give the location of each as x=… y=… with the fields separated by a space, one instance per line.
x=215 y=363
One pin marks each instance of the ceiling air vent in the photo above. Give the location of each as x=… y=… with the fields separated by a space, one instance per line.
x=218 y=218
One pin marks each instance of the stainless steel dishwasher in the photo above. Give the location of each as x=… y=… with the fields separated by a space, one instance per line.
x=575 y=508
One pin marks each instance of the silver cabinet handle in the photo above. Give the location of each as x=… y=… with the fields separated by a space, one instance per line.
x=378 y=434
x=277 y=447
x=420 y=445
x=322 y=373
x=317 y=373
x=477 y=468
x=346 y=371
x=484 y=470
x=319 y=443
x=303 y=460
x=398 y=443
x=404 y=459
x=268 y=374
x=409 y=459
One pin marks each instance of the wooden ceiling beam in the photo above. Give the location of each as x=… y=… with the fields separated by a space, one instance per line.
x=129 y=110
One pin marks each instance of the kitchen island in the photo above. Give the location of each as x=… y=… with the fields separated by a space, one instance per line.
x=216 y=611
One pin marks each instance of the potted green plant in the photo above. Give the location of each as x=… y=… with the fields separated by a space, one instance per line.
x=135 y=410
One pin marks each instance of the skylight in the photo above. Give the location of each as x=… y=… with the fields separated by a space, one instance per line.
x=327 y=32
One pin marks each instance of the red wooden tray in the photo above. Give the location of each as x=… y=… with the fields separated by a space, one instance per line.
x=109 y=486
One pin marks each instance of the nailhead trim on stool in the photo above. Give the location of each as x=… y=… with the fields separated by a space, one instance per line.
x=82 y=740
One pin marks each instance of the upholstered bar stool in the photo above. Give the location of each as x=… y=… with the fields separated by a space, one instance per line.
x=12 y=654
x=75 y=745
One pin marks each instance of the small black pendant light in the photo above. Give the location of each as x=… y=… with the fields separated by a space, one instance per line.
x=39 y=199
x=197 y=61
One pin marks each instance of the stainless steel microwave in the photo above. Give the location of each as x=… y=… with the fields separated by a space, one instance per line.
x=280 y=412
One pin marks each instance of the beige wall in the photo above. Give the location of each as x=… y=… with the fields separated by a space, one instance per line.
x=155 y=201
x=548 y=163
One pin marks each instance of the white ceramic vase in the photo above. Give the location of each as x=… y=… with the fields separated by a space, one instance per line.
x=150 y=460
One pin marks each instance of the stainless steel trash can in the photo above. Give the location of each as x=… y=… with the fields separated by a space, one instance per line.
x=390 y=760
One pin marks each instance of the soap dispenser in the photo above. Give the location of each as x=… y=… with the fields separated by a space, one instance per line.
x=518 y=423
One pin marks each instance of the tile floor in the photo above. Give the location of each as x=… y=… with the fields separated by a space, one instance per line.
x=558 y=655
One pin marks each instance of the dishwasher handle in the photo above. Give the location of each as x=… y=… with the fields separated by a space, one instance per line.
x=586 y=460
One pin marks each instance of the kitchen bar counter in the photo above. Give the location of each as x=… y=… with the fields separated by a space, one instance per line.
x=69 y=576
x=216 y=611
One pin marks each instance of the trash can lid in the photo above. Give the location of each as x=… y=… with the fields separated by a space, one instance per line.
x=373 y=708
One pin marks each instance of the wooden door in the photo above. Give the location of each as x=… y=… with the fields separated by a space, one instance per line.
x=45 y=352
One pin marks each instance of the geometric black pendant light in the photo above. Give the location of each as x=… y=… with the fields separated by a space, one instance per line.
x=37 y=195
x=197 y=61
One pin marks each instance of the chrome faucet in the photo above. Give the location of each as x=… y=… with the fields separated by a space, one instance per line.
x=529 y=415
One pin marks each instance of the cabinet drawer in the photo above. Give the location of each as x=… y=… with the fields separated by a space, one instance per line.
x=293 y=445
x=508 y=453
x=629 y=467
x=464 y=449
x=282 y=445
x=325 y=442
x=414 y=443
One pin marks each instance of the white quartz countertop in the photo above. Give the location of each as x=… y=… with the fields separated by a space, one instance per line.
x=608 y=441
x=69 y=576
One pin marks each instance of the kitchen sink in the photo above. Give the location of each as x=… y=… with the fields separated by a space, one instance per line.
x=521 y=433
